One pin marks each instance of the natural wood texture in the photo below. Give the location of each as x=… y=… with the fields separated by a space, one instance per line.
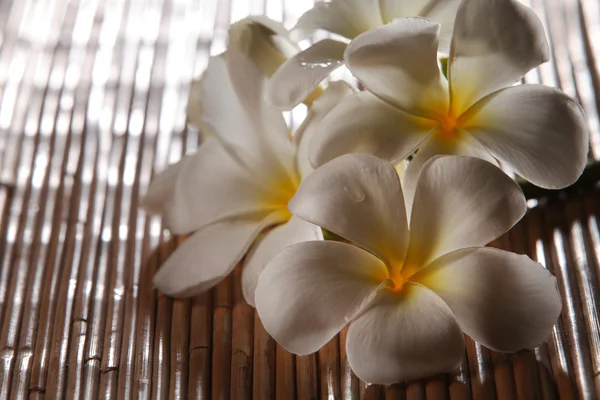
x=92 y=103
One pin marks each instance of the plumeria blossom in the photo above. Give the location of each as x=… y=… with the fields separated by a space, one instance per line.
x=538 y=131
x=298 y=76
x=407 y=291
x=237 y=186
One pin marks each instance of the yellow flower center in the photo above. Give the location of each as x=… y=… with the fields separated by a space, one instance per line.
x=399 y=274
x=448 y=126
x=395 y=282
x=281 y=190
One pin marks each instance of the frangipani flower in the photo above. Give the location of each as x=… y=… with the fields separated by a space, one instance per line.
x=538 y=131
x=298 y=76
x=407 y=294
x=237 y=185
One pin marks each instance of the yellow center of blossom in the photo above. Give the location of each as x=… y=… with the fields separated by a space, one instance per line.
x=399 y=274
x=395 y=282
x=448 y=126
x=281 y=190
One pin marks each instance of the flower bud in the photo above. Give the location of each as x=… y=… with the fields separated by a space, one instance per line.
x=264 y=41
x=267 y=43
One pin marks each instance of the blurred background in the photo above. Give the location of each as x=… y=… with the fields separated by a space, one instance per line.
x=92 y=102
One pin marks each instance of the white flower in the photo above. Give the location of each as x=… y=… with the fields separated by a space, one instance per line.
x=238 y=183
x=408 y=295
x=538 y=131
x=297 y=77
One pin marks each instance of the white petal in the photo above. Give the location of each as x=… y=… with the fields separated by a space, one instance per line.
x=440 y=11
x=398 y=62
x=310 y=291
x=462 y=144
x=347 y=18
x=407 y=335
x=299 y=76
x=234 y=109
x=491 y=53
x=362 y=123
x=392 y=9
x=537 y=130
x=358 y=197
x=505 y=301
x=444 y=13
x=460 y=202
x=401 y=169
x=250 y=85
x=194 y=109
x=206 y=187
x=209 y=255
x=331 y=97
x=162 y=187
x=294 y=231
x=263 y=40
x=275 y=27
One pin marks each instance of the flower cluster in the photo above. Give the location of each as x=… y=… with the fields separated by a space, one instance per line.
x=402 y=177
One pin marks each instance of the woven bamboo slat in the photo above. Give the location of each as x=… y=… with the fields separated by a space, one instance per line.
x=92 y=103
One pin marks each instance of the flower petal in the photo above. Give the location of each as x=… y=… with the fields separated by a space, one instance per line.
x=254 y=133
x=440 y=11
x=347 y=18
x=208 y=256
x=250 y=84
x=331 y=97
x=358 y=197
x=398 y=63
x=401 y=169
x=297 y=77
x=460 y=202
x=265 y=41
x=407 y=335
x=162 y=187
x=362 y=123
x=505 y=301
x=392 y=9
x=194 y=109
x=310 y=291
x=294 y=231
x=444 y=13
x=491 y=53
x=462 y=144
x=539 y=131
x=206 y=187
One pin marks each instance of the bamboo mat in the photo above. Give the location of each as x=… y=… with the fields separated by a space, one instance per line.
x=92 y=101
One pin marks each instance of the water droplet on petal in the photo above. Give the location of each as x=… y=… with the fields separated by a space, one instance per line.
x=317 y=64
x=355 y=192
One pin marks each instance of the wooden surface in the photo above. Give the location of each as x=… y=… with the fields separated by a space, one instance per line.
x=92 y=101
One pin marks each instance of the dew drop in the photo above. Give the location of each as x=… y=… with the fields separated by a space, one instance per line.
x=310 y=62
x=316 y=64
x=355 y=193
